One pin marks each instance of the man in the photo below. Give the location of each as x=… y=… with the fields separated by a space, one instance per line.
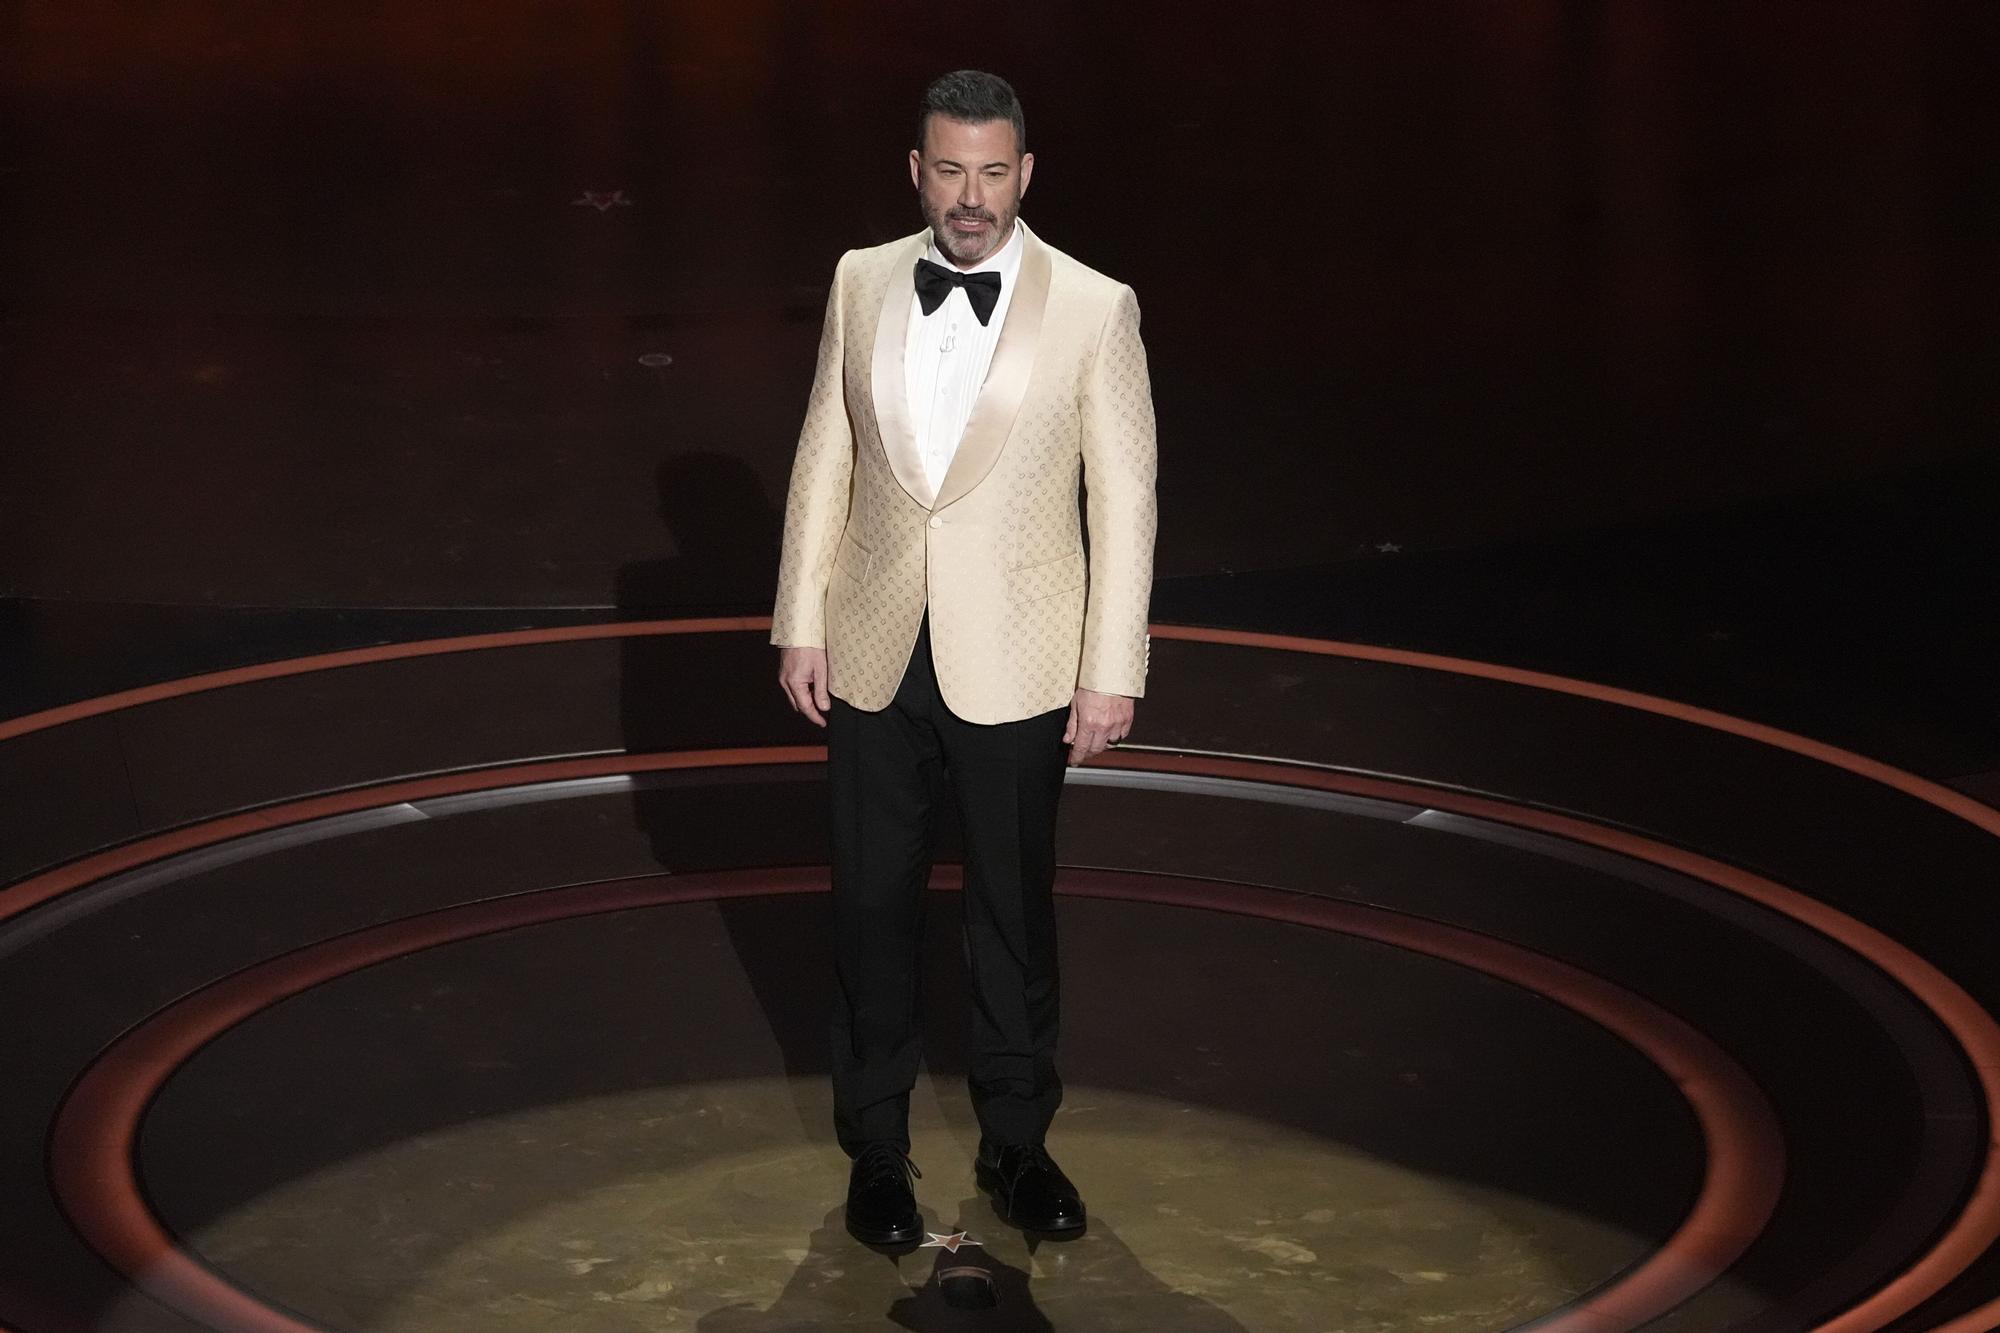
x=938 y=615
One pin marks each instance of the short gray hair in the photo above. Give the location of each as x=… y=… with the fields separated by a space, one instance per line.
x=974 y=97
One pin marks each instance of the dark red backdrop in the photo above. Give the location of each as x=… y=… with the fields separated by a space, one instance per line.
x=300 y=309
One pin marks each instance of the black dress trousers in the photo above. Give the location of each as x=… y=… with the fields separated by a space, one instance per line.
x=887 y=773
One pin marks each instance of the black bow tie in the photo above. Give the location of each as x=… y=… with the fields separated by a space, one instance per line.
x=935 y=281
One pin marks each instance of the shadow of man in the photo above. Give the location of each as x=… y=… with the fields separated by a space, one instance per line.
x=837 y=1284
x=726 y=534
x=1094 y=1282
x=720 y=691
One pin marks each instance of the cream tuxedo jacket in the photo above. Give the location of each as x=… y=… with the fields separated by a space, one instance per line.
x=1019 y=617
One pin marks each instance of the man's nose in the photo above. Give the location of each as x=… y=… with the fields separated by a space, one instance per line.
x=971 y=194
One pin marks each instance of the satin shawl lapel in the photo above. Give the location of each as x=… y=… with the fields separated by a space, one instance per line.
x=1006 y=383
x=887 y=383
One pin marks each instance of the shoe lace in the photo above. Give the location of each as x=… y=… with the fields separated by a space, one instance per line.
x=880 y=1161
x=1027 y=1157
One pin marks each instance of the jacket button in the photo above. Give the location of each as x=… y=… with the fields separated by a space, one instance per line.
x=936 y=522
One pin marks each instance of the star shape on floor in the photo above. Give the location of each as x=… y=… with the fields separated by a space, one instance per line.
x=951 y=1242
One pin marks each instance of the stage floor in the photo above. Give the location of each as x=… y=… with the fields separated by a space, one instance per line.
x=481 y=981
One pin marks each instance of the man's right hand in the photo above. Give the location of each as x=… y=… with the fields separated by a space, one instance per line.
x=802 y=676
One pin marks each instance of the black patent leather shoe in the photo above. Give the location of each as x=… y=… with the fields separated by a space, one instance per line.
x=1029 y=1190
x=881 y=1206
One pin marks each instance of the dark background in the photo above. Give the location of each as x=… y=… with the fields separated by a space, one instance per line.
x=299 y=312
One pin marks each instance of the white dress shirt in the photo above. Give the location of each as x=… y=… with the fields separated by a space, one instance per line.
x=947 y=352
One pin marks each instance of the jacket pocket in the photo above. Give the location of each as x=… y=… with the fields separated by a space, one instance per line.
x=1031 y=583
x=854 y=558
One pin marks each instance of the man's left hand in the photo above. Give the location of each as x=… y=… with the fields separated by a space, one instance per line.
x=1096 y=721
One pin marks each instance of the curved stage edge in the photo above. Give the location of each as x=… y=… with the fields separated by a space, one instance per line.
x=93 y=1136
x=94 y=1143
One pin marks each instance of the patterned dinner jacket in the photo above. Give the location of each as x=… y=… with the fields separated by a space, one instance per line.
x=1020 y=615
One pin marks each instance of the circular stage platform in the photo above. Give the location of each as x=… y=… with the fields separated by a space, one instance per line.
x=481 y=983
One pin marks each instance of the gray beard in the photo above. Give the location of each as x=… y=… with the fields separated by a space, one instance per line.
x=942 y=238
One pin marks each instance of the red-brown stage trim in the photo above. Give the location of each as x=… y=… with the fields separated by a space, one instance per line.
x=1978 y=1036
x=382 y=652
x=38 y=889
x=94 y=1144
x=1973 y=812
x=1971 y=1233
x=1977 y=1227
x=1957 y=803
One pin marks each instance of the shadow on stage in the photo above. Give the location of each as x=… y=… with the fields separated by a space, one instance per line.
x=839 y=1280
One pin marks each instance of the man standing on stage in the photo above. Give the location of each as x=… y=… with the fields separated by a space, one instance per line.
x=939 y=616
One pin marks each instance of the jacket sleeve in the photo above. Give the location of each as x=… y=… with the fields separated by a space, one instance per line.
x=816 y=500
x=1119 y=467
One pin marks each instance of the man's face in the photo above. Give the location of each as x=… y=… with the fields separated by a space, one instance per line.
x=970 y=178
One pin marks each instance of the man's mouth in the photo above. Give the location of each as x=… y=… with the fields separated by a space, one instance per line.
x=968 y=224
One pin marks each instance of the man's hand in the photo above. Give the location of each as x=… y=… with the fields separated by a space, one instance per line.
x=1095 y=722
x=802 y=676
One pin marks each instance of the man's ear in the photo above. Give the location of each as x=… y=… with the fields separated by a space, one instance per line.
x=1027 y=170
x=917 y=169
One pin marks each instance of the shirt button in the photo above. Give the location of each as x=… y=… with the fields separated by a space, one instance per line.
x=936 y=522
